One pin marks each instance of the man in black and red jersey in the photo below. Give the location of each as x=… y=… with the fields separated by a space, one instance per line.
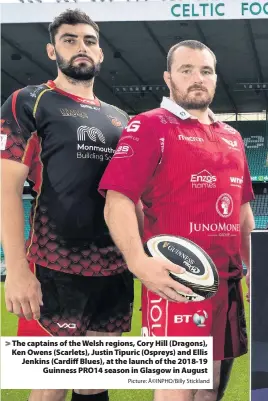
x=191 y=173
x=71 y=279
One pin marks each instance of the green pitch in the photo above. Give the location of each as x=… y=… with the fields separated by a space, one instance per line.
x=238 y=389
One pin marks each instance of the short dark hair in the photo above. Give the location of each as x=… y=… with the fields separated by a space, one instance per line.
x=70 y=17
x=191 y=44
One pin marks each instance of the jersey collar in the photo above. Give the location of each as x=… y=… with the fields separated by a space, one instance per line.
x=174 y=108
x=95 y=102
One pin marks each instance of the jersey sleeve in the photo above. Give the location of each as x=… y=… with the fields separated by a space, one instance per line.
x=135 y=160
x=18 y=128
x=248 y=193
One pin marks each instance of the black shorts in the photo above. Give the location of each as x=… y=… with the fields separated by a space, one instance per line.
x=75 y=304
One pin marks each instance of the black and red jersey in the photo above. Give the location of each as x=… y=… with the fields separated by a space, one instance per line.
x=67 y=142
x=192 y=179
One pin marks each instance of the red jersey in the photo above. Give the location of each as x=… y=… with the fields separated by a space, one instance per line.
x=192 y=179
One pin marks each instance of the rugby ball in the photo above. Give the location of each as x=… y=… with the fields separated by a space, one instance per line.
x=200 y=275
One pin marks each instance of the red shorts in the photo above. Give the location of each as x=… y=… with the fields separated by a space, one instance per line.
x=221 y=317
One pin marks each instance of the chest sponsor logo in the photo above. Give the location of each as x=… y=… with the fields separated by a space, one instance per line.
x=116 y=123
x=232 y=144
x=133 y=126
x=89 y=146
x=236 y=181
x=190 y=138
x=73 y=113
x=204 y=179
x=91 y=133
x=215 y=229
x=3 y=141
x=224 y=205
x=123 y=151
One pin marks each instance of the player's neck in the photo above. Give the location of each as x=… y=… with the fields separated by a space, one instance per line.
x=202 y=116
x=82 y=89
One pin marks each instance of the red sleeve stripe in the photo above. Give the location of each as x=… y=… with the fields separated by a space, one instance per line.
x=14 y=100
x=30 y=148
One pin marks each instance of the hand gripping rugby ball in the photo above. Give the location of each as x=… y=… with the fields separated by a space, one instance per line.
x=201 y=274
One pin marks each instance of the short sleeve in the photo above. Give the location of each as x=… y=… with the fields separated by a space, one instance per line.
x=18 y=129
x=135 y=160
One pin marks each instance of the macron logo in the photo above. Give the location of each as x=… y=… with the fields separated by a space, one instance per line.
x=190 y=138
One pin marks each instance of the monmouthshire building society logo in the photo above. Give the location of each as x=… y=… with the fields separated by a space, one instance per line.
x=91 y=132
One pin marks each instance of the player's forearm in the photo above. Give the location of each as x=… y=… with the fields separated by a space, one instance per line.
x=140 y=217
x=245 y=248
x=121 y=219
x=247 y=225
x=12 y=217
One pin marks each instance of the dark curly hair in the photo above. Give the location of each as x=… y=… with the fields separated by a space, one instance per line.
x=70 y=17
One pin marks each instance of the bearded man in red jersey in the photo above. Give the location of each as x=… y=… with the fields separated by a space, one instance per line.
x=191 y=174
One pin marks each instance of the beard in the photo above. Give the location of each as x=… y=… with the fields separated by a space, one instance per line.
x=81 y=72
x=189 y=102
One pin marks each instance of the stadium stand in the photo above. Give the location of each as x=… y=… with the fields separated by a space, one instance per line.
x=257 y=157
x=256 y=145
x=260 y=210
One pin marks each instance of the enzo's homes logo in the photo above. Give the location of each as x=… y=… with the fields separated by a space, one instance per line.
x=204 y=179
